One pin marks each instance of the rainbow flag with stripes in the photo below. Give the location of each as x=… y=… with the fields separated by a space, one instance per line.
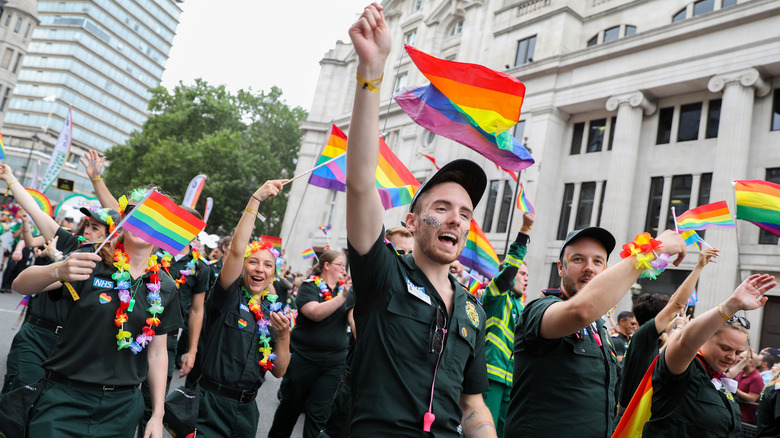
x=479 y=253
x=692 y=238
x=523 y=204
x=2 y=147
x=638 y=410
x=395 y=183
x=758 y=202
x=474 y=286
x=699 y=218
x=325 y=229
x=275 y=241
x=309 y=253
x=159 y=221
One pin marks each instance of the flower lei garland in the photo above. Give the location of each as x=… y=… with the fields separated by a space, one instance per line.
x=256 y=307
x=127 y=302
x=651 y=263
x=325 y=293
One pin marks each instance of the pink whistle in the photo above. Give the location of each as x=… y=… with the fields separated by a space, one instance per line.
x=428 y=419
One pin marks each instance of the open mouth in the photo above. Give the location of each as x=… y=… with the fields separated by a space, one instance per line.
x=448 y=239
x=257 y=279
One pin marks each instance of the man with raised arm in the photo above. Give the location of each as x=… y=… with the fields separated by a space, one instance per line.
x=565 y=367
x=419 y=361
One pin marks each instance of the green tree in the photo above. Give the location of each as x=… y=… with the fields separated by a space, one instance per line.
x=237 y=140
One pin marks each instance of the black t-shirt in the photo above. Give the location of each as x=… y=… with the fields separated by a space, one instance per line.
x=282 y=291
x=768 y=419
x=87 y=347
x=230 y=341
x=194 y=283
x=319 y=340
x=393 y=366
x=642 y=349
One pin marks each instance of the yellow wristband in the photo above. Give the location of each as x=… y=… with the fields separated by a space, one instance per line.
x=722 y=313
x=96 y=179
x=524 y=229
x=57 y=274
x=8 y=189
x=372 y=86
x=256 y=213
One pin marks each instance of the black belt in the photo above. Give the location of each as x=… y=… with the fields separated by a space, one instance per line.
x=59 y=378
x=240 y=395
x=44 y=324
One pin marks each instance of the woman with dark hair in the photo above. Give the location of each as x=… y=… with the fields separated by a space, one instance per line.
x=319 y=349
x=691 y=394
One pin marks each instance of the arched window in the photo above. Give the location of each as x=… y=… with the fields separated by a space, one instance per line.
x=455 y=28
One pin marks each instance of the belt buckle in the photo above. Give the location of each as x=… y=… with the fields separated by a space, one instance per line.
x=109 y=387
x=247 y=396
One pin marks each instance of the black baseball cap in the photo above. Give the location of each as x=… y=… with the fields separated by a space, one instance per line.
x=102 y=214
x=605 y=237
x=473 y=181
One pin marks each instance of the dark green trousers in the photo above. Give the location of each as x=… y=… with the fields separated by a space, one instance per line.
x=497 y=401
x=66 y=411
x=222 y=417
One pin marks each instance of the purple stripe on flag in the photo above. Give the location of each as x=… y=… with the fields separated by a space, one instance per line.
x=166 y=245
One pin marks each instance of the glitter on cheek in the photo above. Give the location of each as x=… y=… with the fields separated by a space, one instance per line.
x=430 y=220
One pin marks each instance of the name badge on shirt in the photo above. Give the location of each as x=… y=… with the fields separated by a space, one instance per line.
x=105 y=284
x=243 y=306
x=418 y=291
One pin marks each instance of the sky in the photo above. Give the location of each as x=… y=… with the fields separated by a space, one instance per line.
x=258 y=43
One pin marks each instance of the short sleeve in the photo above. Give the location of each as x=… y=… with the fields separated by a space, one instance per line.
x=529 y=327
x=306 y=293
x=372 y=268
x=475 y=379
x=676 y=385
x=202 y=278
x=219 y=294
x=66 y=241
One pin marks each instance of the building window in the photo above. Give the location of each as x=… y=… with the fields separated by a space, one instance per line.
x=680 y=197
x=429 y=138
x=455 y=28
x=601 y=203
x=18 y=25
x=703 y=6
x=576 y=138
x=728 y=3
x=690 y=116
x=491 y=205
x=612 y=124
x=9 y=53
x=520 y=131
x=506 y=206
x=654 y=205
x=593 y=41
x=411 y=38
x=776 y=111
x=400 y=82
x=596 y=135
x=416 y=5
x=713 y=118
x=6 y=95
x=680 y=16
x=525 y=51
x=563 y=221
x=585 y=206
x=27 y=31
x=630 y=30
x=18 y=63
x=611 y=34
x=705 y=185
x=665 y=117
x=555 y=279
x=764 y=237
x=8 y=20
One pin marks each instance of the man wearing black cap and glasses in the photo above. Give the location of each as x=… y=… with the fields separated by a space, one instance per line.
x=419 y=363
x=565 y=367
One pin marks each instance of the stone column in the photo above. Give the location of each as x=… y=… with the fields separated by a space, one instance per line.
x=622 y=166
x=731 y=163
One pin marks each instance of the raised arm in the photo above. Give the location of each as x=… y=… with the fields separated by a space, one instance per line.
x=46 y=225
x=93 y=163
x=602 y=292
x=748 y=296
x=679 y=299
x=371 y=38
x=505 y=280
x=234 y=259
x=29 y=240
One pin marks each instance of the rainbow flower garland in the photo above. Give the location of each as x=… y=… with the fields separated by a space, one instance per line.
x=325 y=293
x=127 y=301
x=644 y=248
x=256 y=307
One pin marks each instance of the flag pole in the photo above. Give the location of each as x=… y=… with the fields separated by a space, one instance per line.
x=511 y=216
x=675 y=220
x=313 y=169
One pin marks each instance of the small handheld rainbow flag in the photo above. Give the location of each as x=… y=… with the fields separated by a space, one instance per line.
x=308 y=253
x=159 y=221
x=325 y=229
x=275 y=241
x=2 y=147
x=474 y=286
x=692 y=238
x=523 y=204
x=699 y=218
x=479 y=253
x=758 y=202
x=693 y=299
x=638 y=410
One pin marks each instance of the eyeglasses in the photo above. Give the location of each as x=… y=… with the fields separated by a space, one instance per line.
x=403 y=251
x=338 y=265
x=438 y=331
x=742 y=320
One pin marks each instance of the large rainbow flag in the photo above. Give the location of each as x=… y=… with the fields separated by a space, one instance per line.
x=2 y=147
x=479 y=253
x=395 y=183
x=638 y=410
x=699 y=218
x=759 y=202
x=273 y=240
x=161 y=222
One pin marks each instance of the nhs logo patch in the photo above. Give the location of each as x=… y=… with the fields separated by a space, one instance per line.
x=244 y=307
x=105 y=284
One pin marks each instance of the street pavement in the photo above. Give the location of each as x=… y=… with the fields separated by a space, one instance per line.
x=266 y=397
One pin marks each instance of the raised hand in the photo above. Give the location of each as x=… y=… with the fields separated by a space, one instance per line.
x=705 y=256
x=93 y=163
x=749 y=294
x=371 y=38
x=6 y=174
x=270 y=189
x=673 y=243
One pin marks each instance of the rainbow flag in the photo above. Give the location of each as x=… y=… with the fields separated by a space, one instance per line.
x=2 y=147
x=692 y=238
x=325 y=229
x=523 y=204
x=693 y=299
x=396 y=185
x=699 y=218
x=309 y=253
x=758 y=202
x=159 y=221
x=42 y=201
x=474 y=286
x=479 y=253
x=275 y=241
x=638 y=410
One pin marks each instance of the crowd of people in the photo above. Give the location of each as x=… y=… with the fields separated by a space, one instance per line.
x=398 y=348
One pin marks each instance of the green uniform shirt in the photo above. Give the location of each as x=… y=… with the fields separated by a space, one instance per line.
x=230 y=350
x=562 y=386
x=87 y=348
x=502 y=307
x=620 y=341
x=393 y=367
x=768 y=420
x=642 y=349
x=688 y=405
x=194 y=283
x=319 y=340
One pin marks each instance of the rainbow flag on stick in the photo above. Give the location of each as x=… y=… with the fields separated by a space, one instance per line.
x=523 y=204
x=2 y=147
x=474 y=286
x=159 y=221
x=332 y=176
x=309 y=253
x=325 y=229
x=758 y=202
x=275 y=241
x=699 y=218
x=692 y=238
x=479 y=253
x=638 y=410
